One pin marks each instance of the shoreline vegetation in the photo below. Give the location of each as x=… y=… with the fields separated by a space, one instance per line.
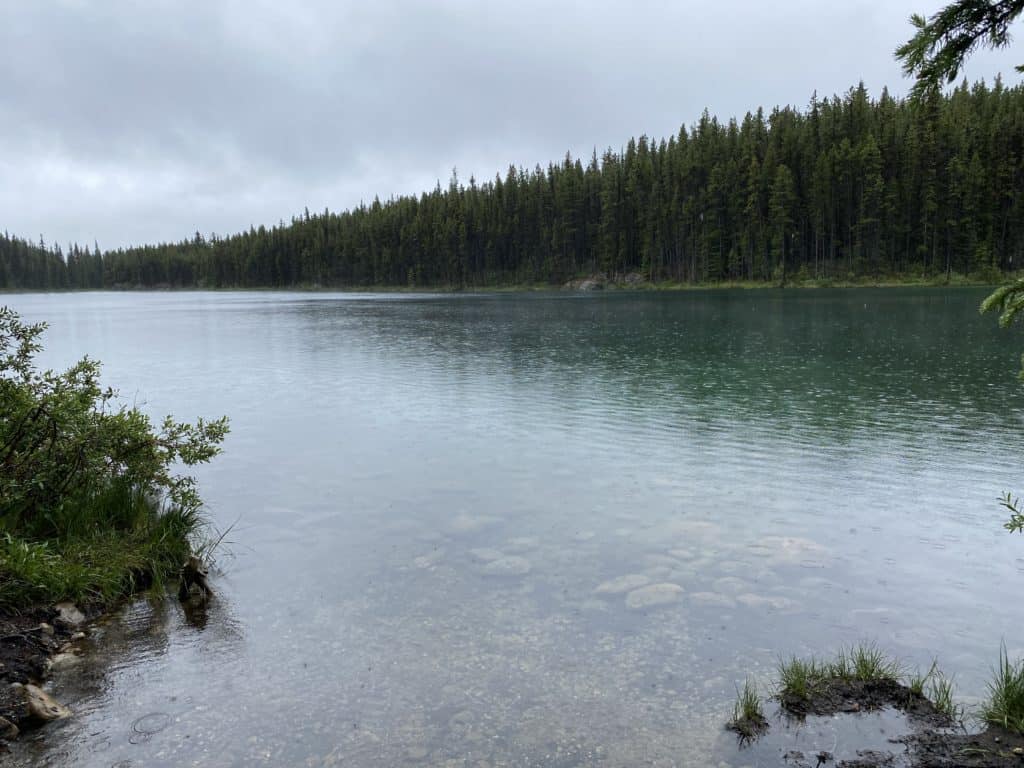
x=586 y=283
x=91 y=510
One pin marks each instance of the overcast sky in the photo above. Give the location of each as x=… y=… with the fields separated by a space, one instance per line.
x=128 y=122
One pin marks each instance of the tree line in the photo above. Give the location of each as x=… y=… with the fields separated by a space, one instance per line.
x=848 y=187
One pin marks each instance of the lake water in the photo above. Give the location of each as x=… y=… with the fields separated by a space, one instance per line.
x=427 y=492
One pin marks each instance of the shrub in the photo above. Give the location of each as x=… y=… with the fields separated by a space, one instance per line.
x=90 y=506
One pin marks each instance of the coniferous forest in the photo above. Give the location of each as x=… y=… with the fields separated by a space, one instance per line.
x=849 y=187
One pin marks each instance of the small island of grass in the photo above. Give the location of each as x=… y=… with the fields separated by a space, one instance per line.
x=863 y=678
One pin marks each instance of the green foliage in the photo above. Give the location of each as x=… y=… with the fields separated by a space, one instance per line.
x=96 y=569
x=90 y=507
x=1005 y=705
x=64 y=442
x=799 y=678
x=846 y=189
x=940 y=694
x=867 y=663
x=937 y=688
x=918 y=682
x=1016 y=521
x=37 y=573
x=748 y=718
x=941 y=43
x=1008 y=301
x=27 y=266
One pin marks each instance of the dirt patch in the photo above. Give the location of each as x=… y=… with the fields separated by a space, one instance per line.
x=935 y=743
x=839 y=695
x=870 y=760
x=993 y=748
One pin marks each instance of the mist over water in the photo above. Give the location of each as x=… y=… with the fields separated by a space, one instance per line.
x=453 y=513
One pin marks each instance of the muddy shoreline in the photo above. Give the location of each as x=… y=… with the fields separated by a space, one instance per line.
x=937 y=740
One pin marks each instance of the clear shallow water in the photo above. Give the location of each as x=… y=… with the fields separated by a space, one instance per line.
x=430 y=489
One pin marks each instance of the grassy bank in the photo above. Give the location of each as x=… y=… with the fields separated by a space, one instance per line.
x=90 y=510
x=120 y=542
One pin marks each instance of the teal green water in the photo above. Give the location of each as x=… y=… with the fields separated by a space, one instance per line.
x=438 y=499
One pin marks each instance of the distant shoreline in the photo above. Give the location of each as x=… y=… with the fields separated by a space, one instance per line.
x=607 y=285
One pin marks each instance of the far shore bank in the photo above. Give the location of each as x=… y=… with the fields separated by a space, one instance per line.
x=596 y=283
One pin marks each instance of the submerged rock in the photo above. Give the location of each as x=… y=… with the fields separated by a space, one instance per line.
x=682 y=554
x=790 y=550
x=42 y=707
x=486 y=555
x=429 y=560
x=772 y=603
x=522 y=544
x=622 y=584
x=653 y=595
x=731 y=585
x=510 y=565
x=655 y=561
x=689 y=532
x=713 y=598
x=464 y=523
x=8 y=730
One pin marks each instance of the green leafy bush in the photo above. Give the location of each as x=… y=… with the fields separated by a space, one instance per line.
x=90 y=504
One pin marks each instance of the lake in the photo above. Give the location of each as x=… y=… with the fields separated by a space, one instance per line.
x=439 y=503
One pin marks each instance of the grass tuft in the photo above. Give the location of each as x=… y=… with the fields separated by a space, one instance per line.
x=917 y=682
x=748 y=718
x=937 y=688
x=799 y=678
x=869 y=664
x=940 y=694
x=113 y=543
x=1005 y=705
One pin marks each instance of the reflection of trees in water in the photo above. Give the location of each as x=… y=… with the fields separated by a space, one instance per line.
x=831 y=361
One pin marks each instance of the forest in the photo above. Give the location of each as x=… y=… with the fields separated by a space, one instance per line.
x=849 y=187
